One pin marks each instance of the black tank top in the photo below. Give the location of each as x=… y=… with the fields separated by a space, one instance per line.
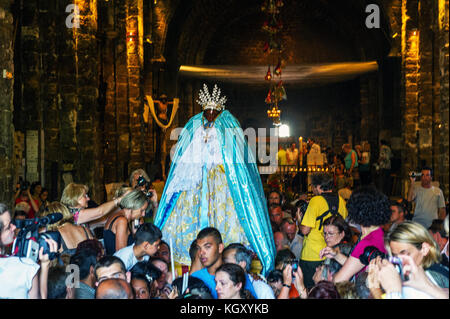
x=109 y=239
x=73 y=250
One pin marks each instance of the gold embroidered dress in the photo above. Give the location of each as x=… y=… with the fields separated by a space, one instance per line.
x=205 y=199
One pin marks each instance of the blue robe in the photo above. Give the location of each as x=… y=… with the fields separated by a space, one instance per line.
x=243 y=184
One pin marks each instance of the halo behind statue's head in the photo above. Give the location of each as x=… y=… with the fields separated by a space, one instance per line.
x=213 y=101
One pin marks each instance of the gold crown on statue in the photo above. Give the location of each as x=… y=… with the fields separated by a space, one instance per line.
x=213 y=101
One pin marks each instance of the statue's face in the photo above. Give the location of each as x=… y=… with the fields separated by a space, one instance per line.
x=210 y=114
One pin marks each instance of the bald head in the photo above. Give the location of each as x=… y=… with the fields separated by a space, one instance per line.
x=114 y=288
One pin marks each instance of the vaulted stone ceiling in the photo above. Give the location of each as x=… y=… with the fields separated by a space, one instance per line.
x=212 y=32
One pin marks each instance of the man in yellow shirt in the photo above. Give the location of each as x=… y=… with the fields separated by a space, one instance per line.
x=281 y=155
x=312 y=223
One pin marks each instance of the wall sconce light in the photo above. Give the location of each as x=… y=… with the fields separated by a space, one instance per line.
x=131 y=36
x=7 y=75
x=148 y=39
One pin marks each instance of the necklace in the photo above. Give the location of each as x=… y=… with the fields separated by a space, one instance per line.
x=207 y=128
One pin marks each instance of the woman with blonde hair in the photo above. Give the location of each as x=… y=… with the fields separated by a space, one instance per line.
x=420 y=256
x=76 y=199
x=410 y=238
x=118 y=232
x=413 y=239
x=71 y=234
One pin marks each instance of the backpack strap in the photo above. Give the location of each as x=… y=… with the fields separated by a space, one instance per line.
x=333 y=206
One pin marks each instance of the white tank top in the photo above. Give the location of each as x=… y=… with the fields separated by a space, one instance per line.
x=16 y=277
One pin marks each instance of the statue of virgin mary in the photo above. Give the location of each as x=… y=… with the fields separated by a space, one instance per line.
x=214 y=182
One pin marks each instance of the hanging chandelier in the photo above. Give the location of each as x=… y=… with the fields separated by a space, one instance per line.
x=274 y=114
x=273 y=49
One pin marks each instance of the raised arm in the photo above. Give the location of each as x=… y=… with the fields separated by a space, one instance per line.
x=411 y=192
x=32 y=202
x=89 y=214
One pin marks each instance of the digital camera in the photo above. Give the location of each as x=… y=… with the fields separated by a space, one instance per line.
x=372 y=252
x=24 y=185
x=397 y=262
x=293 y=263
x=142 y=182
x=415 y=174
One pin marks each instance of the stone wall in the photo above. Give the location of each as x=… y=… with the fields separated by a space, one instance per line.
x=57 y=92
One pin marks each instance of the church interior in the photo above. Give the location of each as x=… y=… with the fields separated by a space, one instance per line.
x=94 y=89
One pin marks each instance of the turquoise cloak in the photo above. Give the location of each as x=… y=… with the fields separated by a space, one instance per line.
x=243 y=180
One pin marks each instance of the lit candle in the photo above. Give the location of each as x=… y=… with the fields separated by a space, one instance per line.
x=171 y=259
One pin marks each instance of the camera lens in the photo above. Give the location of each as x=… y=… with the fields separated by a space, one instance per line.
x=369 y=254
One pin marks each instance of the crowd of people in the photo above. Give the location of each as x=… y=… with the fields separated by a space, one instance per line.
x=351 y=166
x=327 y=247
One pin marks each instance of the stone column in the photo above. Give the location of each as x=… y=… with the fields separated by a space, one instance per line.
x=443 y=40
x=49 y=34
x=110 y=62
x=121 y=148
x=68 y=103
x=135 y=84
x=425 y=88
x=410 y=78
x=88 y=162
x=6 y=102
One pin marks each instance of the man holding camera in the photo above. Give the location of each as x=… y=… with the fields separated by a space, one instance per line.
x=429 y=200
x=23 y=195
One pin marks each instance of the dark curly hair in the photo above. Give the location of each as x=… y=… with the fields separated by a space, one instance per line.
x=367 y=207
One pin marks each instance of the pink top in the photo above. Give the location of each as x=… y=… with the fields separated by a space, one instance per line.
x=375 y=238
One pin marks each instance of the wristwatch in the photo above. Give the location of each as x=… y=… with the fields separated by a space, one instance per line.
x=284 y=285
